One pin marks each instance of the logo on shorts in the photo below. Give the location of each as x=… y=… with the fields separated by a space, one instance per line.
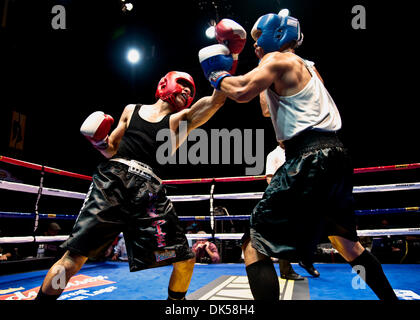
x=151 y=211
x=164 y=255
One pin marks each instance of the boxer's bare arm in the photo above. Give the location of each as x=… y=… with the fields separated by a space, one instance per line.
x=246 y=87
x=117 y=134
x=264 y=105
x=199 y=113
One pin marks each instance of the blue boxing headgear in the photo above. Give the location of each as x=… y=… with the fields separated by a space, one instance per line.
x=272 y=31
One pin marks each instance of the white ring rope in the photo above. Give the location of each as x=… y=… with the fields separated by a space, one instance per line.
x=220 y=236
x=238 y=196
x=14 y=186
x=38 y=239
x=186 y=198
x=388 y=187
x=388 y=232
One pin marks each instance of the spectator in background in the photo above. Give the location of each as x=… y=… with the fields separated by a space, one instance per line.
x=205 y=251
x=366 y=241
x=109 y=253
x=120 y=250
x=388 y=249
x=6 y=252
x=192 y=228
x=274 y=160
x=50 y=249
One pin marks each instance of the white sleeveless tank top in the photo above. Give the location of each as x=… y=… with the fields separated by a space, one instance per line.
x=311 y=108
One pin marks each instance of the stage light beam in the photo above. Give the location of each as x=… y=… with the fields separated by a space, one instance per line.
x=211 y=32
x=133 y=56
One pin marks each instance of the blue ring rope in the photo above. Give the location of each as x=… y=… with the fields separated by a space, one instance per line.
x=365 y=212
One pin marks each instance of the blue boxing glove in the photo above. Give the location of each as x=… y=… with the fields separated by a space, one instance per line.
x=216 y=62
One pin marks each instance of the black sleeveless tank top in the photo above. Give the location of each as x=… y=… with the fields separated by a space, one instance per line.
x=139 y=140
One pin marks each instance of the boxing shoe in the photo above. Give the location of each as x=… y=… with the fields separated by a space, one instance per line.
x=309 y=267
x=287 y=272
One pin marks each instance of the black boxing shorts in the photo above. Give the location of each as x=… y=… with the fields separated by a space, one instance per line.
x=309 y=197
x=122 y=201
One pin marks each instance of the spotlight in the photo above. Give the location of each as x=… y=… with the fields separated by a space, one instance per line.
x=284 y=12
x=129 y=6
x=126 y=6
x=211 y=32
x=133 y=56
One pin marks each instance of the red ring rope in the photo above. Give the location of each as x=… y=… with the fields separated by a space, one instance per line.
x=46 y=169
x=209 y=180
x=198 y=180
x=388 y=168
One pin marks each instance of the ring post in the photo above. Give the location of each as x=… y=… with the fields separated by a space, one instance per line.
x=212 y=210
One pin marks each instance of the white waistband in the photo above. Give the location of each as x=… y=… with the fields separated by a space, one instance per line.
x=138 y=168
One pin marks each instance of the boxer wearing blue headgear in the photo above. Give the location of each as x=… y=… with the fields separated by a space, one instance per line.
x=311 y=194
x=272 y=32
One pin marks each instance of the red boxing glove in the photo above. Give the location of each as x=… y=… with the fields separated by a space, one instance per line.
x=233 y=35
x=96 y=128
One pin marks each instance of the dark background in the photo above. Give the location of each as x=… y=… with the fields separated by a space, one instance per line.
x=58 y=77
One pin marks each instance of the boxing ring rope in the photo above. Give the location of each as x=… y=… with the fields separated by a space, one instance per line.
x=41 y=190
x=40 y=168
x=14 y=186
x=197 y=180
x=219 y=236
x=29 y=215
x=227 y=236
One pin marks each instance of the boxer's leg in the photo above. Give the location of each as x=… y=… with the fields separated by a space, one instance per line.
x=373 y=275
x=262 y=276
x=60 y=273
x=180 y=279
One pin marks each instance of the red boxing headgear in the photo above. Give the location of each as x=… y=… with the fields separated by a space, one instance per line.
x=169 y=86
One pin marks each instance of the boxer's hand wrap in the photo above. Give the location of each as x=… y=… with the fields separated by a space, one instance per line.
x=96 y=128
x=216 y=62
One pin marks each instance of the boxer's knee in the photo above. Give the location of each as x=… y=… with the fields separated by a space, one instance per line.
x=348 y=249
x=251 y=255
x=184 y=266
x=71 y=262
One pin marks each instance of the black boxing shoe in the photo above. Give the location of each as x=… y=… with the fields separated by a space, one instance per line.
x=310 y=269
x=291 y=276
x=287 y=272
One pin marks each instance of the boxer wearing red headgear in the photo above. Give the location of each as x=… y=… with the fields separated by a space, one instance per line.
x=170 y=86
x=126 y=194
